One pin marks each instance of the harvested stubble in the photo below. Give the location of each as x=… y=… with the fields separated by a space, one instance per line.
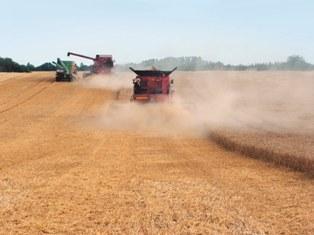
x=59 y=176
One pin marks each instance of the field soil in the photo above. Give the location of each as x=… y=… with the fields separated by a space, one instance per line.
x=59 y=175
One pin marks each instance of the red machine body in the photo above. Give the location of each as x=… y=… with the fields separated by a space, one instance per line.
x=102 y=63
x=152 y=85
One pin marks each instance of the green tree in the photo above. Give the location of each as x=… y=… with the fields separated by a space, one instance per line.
x=296 y=62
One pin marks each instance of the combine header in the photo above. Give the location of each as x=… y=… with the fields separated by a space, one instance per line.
x=152 y=85
x=102 y=63
x=66 y=70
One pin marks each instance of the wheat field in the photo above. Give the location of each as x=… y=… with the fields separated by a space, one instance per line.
x=64 y=170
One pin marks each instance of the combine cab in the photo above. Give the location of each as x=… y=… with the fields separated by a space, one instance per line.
x=152 y=85
x=103 y=64
x=66 y=71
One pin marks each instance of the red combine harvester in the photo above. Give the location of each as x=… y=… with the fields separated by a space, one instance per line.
x=102 y=63
x=152 y=85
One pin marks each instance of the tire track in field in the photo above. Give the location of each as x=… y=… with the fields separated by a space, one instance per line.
x=25 y=100
x=23 y=90
x=7 y=77
x=20 y=93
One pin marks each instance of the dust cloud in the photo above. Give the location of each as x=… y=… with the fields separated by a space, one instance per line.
x=268 y=101
x=114 y=81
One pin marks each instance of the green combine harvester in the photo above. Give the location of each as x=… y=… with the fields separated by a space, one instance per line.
x=66 y=70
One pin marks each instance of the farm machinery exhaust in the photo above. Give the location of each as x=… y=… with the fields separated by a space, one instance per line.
x=103 y=64
x=152 y=85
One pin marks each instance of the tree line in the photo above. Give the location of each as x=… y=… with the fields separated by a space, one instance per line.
x=191 y=63
x=194 y=63
x=9 y=65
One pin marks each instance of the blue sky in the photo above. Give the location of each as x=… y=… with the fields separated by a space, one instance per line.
x=231 y=31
